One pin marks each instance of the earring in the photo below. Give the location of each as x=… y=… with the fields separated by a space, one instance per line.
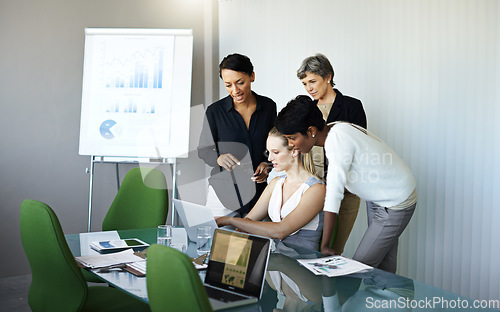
x=313 y=135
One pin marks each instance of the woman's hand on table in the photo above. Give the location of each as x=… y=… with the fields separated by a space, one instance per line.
x=327 y=251
x=222 y=221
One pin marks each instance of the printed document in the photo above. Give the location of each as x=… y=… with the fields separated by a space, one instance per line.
x=333 y=266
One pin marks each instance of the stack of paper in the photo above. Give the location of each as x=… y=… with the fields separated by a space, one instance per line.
x=100 y=261
x=333 y=266
x=137 y=268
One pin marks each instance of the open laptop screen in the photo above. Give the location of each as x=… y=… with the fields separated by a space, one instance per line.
x=192 y=216
x=238 y=262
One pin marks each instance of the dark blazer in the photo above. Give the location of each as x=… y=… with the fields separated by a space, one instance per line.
x=346 y=108
x=224 y=131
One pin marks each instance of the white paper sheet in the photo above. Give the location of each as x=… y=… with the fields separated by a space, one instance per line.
x=333 y=266
x=99 y=261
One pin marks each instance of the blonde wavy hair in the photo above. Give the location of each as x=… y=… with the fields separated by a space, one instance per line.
x=306 y=159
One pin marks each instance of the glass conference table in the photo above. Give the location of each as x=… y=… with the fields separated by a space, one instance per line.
x=291 y=287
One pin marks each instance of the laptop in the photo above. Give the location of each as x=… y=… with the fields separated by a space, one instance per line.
x=192 y=216
x=236 y=268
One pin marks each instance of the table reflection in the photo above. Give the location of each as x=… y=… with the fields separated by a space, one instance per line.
x=298 y=289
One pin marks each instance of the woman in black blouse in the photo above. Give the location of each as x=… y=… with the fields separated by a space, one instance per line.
x=316 y=74
x=233 y=138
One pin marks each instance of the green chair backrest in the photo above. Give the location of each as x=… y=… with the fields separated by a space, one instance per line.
x=173 y=282
x=57 y=283
x=141 y=201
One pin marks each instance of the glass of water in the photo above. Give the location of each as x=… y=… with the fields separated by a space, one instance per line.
x=180 y=247
x=204 y=239
x=164 y=235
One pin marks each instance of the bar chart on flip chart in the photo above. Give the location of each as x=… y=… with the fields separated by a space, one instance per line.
x=140 y=69
x=136 y=92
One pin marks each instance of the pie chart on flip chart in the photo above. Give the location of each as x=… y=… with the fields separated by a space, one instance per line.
x=109 y=129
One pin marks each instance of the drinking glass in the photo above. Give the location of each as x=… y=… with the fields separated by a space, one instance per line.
x=180 y=247
x=204 y=239
x=164 y=235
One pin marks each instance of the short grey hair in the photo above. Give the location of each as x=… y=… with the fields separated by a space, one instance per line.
x=317 y=64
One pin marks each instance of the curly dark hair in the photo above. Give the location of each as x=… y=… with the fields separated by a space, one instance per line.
x=298 y=115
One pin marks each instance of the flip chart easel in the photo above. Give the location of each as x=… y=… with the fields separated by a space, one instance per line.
x=126 y=160
x=136 y=97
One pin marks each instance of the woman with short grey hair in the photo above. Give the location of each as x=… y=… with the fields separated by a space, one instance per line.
x=317 y=64
x=316 y=74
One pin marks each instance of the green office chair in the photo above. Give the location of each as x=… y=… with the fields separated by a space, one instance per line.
x=57 y=283
x=172 y=281
x=141 y=201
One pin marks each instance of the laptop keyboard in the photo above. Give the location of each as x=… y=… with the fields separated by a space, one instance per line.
x=223 y=296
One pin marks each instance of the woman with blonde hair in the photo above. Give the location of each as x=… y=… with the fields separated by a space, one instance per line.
x=293 y=202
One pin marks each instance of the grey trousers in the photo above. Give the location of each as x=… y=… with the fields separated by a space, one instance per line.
x=379 y=246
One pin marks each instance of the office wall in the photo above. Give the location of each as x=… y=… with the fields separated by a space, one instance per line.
x=427 y=72
x=41 y=63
